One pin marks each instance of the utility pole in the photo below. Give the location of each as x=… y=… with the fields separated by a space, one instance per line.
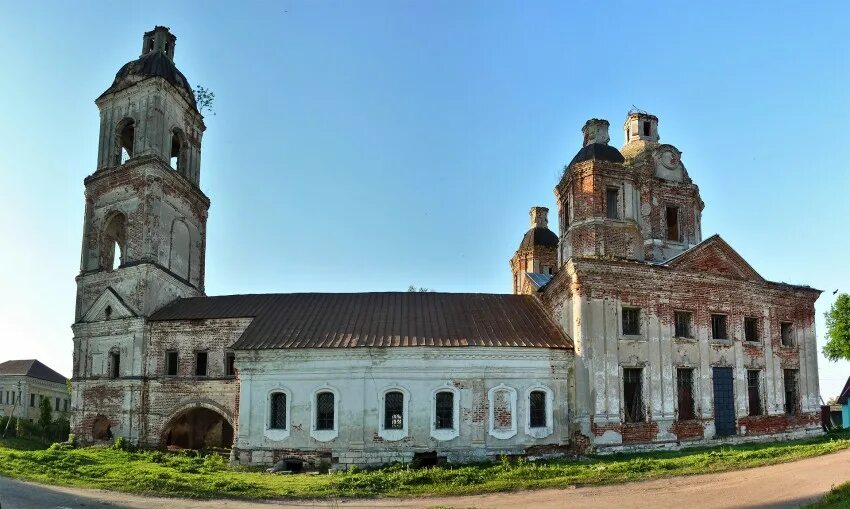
x=14 y=405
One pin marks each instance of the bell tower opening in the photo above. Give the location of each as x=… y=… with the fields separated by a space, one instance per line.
x=125 y=140
x=113 y=242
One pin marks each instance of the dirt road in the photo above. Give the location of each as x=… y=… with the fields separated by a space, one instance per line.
x=777 y=486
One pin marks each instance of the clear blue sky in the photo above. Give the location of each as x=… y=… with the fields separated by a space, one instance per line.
x=371 y=145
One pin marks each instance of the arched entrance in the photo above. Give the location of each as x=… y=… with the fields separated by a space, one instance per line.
x=198 y=428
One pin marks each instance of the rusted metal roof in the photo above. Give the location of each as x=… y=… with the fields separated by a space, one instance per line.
x=347 y=320
x=31 y=368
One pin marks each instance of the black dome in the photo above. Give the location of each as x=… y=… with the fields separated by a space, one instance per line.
x=155 y=63
x=539 y=236
x=598 y=152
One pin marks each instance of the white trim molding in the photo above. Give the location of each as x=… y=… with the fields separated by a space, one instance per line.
x=445 y=434
x=502 y=433
x=324 y=435
x=393 y=435
x=277 y=434
x=539 y=432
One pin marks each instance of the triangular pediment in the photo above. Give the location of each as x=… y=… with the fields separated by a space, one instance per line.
x=109 y=306
x=715 y=256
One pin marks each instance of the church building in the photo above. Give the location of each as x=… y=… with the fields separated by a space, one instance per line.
x=626 y=330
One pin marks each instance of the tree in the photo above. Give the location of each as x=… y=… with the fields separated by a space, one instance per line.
x=422 y=289
x=838 y=329
x=45 y=412
x=204 y=97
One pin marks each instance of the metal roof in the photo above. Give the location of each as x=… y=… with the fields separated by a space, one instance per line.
x=539 y=236
x=32 y=368
x=347 y=320
x=597 y=152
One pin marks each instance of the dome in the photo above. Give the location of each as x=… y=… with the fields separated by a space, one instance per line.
x=539 y=236
x=598 y=152
x=155 y=63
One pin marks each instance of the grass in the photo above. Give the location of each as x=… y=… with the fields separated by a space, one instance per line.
x=157 y=473
x=838 y=497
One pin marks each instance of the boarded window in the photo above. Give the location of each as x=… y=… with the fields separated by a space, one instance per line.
x=537 y=409
x=718 y=327
x=201 y=363
x=683 y=321
x=786 y=331
x=230 y=364
x=751 y=329
x=612 y=199
x=631 y=321
x=171 y=363
x=685 y=389
x=672 y=216
x=791 y=395
x=394 y=410
x=754 y=392
x=633 y=394
x=278 y=411
x=324 y=411
x=444 y=411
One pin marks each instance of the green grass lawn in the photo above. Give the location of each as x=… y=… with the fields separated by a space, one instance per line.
x=837 y=498
x=157 y=473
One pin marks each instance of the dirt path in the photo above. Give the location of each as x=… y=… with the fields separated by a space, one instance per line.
x=777 y=486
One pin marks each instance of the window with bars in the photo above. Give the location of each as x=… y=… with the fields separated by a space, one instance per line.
x=718 y=327
x=324 y=411
x=751 y=329
x=394 y=410
x=445 y=402
x=685 y=389
x=631 y=321
x=786 y=333
x=537 y=409
x=791 y=396
x=277 y=411
x=633 y=394
x=612 y=203
x=683 y=320
x=754 y=392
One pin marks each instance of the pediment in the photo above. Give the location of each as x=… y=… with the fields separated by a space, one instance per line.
x=715 y=256
x=109 y=306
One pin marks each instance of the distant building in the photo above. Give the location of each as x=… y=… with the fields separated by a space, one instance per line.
x=24 y=382
x=843 y=402
x=628 y=330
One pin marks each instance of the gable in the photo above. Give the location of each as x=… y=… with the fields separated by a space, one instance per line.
x=715 y=256
x=108 y=306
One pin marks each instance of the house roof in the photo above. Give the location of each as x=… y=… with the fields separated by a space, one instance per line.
x=31 y=368
x=348 y=320
x=845 y=393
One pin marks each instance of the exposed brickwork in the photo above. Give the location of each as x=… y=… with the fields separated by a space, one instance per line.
x=689 y=430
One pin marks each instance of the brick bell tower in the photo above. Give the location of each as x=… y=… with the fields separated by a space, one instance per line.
x=143 y=235
x=537 y=252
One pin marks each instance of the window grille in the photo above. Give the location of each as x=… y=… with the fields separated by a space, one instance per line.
x=537 y=409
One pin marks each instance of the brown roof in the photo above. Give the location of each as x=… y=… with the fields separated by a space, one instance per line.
x=31 y=368
x=345 y=320
x=845 y=393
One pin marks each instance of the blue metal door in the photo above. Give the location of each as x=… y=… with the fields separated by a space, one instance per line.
x=724 y=402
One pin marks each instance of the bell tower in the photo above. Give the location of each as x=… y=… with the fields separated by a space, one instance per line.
x=144 y=233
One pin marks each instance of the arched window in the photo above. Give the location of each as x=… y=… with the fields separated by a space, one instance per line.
x=394 y=410
x=178 y=151
x=278 y=411
x=325 y=411
x=444 y=410
x=125 y=138
x=179 y=256
x=537 y=409
x=113 y=242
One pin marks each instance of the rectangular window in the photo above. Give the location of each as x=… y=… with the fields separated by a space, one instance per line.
x=200 y=363
x=394 y=410
x=685 y=389
x=324 y=411
x=32 y=400
x=718 y=327
x=537 y=409
x=633 y=394
x=114 y=365
x=786 y=331
x=753 y=392
x=647 y=129
x=612 y=203
x=791 y=396
x=278 y=411
x=631 y=321
x=171 y=363
x=58 y=403
x=230 y=364
x=683 y=321
x=445 y=409
x=751 y=329
x=672 y=216
x=67 y=404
